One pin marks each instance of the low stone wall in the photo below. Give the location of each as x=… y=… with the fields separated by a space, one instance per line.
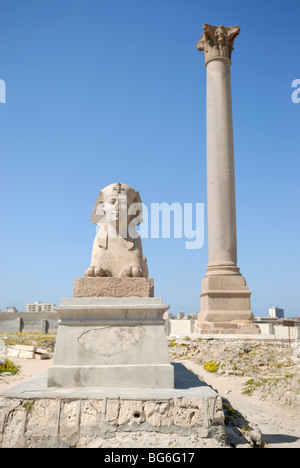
x=179 y=326
x=286 y=333
x=94 y=423
x=16 y=322
x=279 y=332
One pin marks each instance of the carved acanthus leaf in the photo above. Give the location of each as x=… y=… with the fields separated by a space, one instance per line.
x=217 y=41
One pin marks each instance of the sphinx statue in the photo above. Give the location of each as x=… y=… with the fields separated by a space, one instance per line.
x=111 y=332
x=117 y=249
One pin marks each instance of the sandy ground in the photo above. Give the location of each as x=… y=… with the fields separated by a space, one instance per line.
x=280 y=426
x=29 y=368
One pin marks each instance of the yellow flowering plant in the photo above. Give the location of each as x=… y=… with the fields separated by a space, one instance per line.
x=8 y=366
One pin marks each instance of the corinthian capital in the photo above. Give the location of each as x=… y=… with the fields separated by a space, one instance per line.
x=217 y=41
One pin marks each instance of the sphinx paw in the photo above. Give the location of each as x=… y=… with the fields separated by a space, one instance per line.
x=137 y=272
x=127 y=271
x=99 y=271
x=90 y=272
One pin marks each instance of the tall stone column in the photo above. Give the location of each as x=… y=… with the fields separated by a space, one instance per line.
x=225 y=297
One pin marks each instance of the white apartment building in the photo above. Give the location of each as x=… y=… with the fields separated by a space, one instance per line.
x=11 y=309
x=39 y=307
x=275 y=312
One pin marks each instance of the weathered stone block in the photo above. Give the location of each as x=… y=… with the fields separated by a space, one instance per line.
x=11 y=352
x=25 y=347
x=113 y=287
x=26 y=354
x=131 y=413
x=112 y=411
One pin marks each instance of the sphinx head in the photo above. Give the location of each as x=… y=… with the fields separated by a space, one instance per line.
x=117 y=205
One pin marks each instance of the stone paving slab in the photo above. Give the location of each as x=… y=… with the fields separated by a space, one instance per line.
x=187 y=384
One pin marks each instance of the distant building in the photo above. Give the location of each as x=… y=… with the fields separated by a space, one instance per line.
x=11 y=309
x=275 y=312
x=39 y=307
x=168 y=316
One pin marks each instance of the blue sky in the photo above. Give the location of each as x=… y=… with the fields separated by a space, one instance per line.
x=100 y=91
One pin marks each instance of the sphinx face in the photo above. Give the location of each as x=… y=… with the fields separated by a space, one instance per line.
x=115 y=209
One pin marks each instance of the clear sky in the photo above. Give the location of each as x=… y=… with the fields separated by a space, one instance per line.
x=101 y=91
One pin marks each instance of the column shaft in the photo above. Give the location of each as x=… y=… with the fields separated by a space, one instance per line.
x=220 y=166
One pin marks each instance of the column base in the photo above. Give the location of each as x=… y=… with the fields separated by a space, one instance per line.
x=225 y=303
x=230 y=328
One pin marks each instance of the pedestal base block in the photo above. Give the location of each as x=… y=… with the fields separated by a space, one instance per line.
x=225 y=305
x=125 y=376
x=233 y=327
x=111 y=342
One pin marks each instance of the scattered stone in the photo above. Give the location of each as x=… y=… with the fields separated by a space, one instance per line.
x=41 y=356
x=28 y=348
x=26 y=352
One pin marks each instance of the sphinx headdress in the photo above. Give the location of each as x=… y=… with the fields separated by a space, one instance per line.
x=117 y=189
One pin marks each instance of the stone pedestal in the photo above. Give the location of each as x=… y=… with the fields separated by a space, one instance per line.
x=113 y=287
x=225 y=297
x=111 y=342
x=225 y=304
